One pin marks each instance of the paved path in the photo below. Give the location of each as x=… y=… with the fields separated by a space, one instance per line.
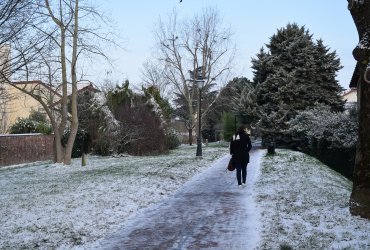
x=208 y=212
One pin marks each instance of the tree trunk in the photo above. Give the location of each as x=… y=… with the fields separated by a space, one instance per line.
x=59 y=149
x=360 y=197
x=190 y=136
x=191 y=120
x=74 y=122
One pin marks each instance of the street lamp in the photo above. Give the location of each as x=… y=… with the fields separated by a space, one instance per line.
x=200 y=84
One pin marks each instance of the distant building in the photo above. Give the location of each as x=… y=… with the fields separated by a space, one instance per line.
x=21 y=104
x=4 y=71
x=179 y=126
x=4 y=58
x=350 y=96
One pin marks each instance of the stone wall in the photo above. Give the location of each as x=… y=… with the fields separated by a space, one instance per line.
x=25 y=148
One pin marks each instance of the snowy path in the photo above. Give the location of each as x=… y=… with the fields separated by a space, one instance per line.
x=208 y=212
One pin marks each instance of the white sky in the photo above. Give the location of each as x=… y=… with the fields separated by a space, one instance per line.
x=252 y=22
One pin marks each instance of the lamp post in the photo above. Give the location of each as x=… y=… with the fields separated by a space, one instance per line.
x=200 y=83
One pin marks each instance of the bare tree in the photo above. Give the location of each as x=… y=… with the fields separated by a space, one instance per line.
x=360 y=197
x=59 y=27
x=200 y=45
x=15 y=18
x=15 y=15
x=65 y=27
x=66 y=22
x=153 y=74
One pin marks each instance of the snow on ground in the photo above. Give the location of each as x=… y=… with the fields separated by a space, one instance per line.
x=299 y=203
x=50 y=206
x=253 y=211
x=304 y=205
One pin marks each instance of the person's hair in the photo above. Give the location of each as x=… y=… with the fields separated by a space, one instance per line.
x=241 y=129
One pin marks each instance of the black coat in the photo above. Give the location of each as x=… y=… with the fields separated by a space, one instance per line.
x=240 y=146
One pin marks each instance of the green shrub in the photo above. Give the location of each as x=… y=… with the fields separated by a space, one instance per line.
x=27 y=125
x=44 y=128
x=230 y=124
x=80 y=143
x=35 y=123
x=286 y=247
x=103 y=146
x=329 y=136
x=37 y=116
x=172 y=137
x=23 y=126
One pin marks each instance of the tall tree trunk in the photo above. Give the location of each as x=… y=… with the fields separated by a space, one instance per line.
x=59 y=129
x=360 y=197
x=59 y=149
x=190 y=136
x=74 y=122
x=191 y=120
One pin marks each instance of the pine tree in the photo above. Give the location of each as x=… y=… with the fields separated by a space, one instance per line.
x=208 y=96
x=229 y=125
x=159 y=104
x=244 y=104
x=294 y=75
x=232 y=99
x=329 y=64
x=227 y=93
x=260 y=67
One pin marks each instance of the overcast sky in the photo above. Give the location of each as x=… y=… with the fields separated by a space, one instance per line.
x=253 y=22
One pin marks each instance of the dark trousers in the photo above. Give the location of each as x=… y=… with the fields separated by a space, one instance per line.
x=241 y=173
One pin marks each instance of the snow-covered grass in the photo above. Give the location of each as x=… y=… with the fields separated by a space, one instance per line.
x=304 y=205
x=51 y=206
x=301 y=203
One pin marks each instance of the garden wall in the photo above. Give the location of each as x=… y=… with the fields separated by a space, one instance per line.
x=25 y=148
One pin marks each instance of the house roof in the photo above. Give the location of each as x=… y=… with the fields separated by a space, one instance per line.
x=37 y=82
x=81 y=86
x=84 y=85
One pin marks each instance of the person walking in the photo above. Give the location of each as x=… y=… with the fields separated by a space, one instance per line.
x=240 y=145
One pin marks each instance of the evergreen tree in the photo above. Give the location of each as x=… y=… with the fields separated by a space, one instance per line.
x=89 y=119
x=294 y=75
x=260 y=67
x=208 y=95
x=229 y=124
x=160 y=105
x=237 y=99
x=120 y=97
x=328 y=64
x=141 y=120
x=213 y=120
x=224 y=103
x=244 y=104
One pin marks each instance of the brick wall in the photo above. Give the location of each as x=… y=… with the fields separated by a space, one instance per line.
x=24 y=148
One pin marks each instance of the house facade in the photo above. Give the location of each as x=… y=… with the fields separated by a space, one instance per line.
x=4 y=56
x=350 y=96
x=20 y=104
